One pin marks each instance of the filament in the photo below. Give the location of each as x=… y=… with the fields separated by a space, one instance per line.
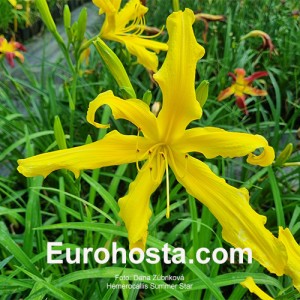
x=153 y=35
x=174 y=164
x=167 y=184
x=137 y=150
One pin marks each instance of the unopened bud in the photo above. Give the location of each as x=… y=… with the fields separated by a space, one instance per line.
x=284 y=155
x=115 y=67
x=46 y=15
x=202 y=92
x=156 y=108
x=147 y=97
x=59 y=134
x=81 y=25
x=67 y=21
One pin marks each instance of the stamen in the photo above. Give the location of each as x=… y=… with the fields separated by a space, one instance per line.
x=136 y=27
x=137 y=150
x=147 y=29
x=167 y=184
x=186 y=162
x=174 y=163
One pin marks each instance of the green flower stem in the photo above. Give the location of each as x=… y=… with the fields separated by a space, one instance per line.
x=277 y=198
x=292 y=164
x=175 y=4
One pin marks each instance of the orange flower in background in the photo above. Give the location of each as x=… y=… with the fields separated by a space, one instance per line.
x=10 y=50
x=267 y=41
x=241 y=87
x=206 y=18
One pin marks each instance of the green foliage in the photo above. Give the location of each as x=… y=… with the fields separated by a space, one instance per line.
x=7 y=16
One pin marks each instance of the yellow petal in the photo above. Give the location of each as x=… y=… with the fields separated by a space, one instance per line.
x=145 y=42
x=13 y=2
x=176 y=77
x=211 y=142
x=106 y=6
x=293 y=251
x=138 y=47
x=226 y=93
x=19 y=55
x=253 y=288
x=116 y=4
x=133 y=110
x=130 y=12
x=242 y=226
x=254 y=92
x=134 y=207
x=144 y=57
x=113 y=149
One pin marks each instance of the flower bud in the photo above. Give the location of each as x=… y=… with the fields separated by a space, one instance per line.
x=156 y=108
x=202 y=92
x=59 y=134
x=82 y=19
x=115 y=67
x=67 y=21
x=284 y=155
x=46 y=15
x=147 y=97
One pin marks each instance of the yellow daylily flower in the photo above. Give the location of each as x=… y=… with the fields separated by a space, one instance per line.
x=126 y=26
x=165 y=142
x=253 y=288
x=10 y=50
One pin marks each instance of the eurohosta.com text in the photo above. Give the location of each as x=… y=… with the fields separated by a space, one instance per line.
x=58 y=254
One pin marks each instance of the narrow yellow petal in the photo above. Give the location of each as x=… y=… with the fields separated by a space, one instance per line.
x=293 y=251
x=130 y=12
x=211 y=142
x=145 y=43
x=105 y=6
x=254 y=91
x=13 y=2
x=19 y=55
x=138 y=46
x=242 y=226
x=144 y=57
x=116 y=4
x=176 y=77
x=253 y=288
x=226 y=93
x=134 y=207
x=133 y=110
x=113 y=149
